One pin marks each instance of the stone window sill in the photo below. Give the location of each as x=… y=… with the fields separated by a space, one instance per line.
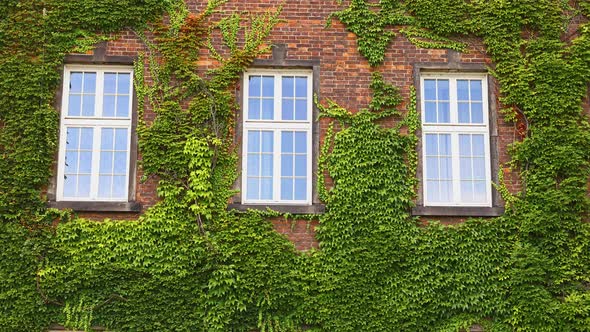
x=457 y=211
x=97 y=206
x=292 y=209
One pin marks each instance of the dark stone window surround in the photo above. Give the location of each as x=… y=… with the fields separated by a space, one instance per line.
x=99 y=58
x=279 y=61
x=455 y=66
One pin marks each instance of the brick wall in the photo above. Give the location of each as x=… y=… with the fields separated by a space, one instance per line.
x=344 y=77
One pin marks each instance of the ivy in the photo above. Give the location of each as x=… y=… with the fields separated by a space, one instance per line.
x=532 y=268
x=188 y=264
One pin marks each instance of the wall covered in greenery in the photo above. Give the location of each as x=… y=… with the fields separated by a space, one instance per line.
x=188 y=264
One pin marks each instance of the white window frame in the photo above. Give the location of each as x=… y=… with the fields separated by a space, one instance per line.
x=277 y=126
x=454 y=128
x=97 y=122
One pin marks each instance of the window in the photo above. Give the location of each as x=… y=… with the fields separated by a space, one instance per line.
x=456 y=144
x=277 y=137
x=95 y=134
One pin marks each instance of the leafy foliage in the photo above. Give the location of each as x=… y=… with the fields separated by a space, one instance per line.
x=188 y=264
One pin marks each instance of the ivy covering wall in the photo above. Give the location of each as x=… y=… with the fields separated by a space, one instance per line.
x=188 y=264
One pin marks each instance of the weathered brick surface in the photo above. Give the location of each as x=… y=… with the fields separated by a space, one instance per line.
x=300 y=232
x=344 y=77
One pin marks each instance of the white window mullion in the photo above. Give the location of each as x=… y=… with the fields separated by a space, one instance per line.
x=245 y=163
x=310 y=97
x=94 y=170
x=99 y=96
x=456 y=168
x=61 y=162
x=128 y=158
x=424 y=175
x=278 y=114
x=488 y=170
x=246 y=98
x=276 y=172
x=79 y=153
x=453 y=104
x=65 y=100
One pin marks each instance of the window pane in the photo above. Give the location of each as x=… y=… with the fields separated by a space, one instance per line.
x=432 y=191
x=480 y=193
x=444 y=112
x=254 y=86
x=479 y=168
x=83 y=186
x=266 y=188
x=432 y=168
x=288 y=86
x=465 y=169
x=75 y=82
x=85 y=162
x=88 y=105
x=431 y=144
x=70 y=183
x=253 y=165
x=300 y=165
x=429 y=89
x=74 y=105
x=288 y=109
x=476 y=113
x=464 y=113
x=268 y=86
x=300 y=142
x=120 y=166
x=300 y=189
x=253 y=109
x=446 y=191
x=430 y=112
x=444 y=144
x=110 y=82
x=476 y=92
x=119 y=187
x=122 y=106
x=108 y=108
x=106 y=163
x=287 y=165
x=124 y=83
x=121 y=139
x=267 y=141
x=267 y=164
x=443 y=90
x=86 y=138
x=72 y=137
x=446 y=168
x=478 y=145
x=104 y=185
x=253 y=141
x=463 y=90
x=106 y=139
x=268 y=109
x=467 y=191
x=465 y=145
x=287 y=189
x=301 y=87
x=301 y=110
x=253 y=189
x=287 y=141
x=71 y=162
x=89 y=82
